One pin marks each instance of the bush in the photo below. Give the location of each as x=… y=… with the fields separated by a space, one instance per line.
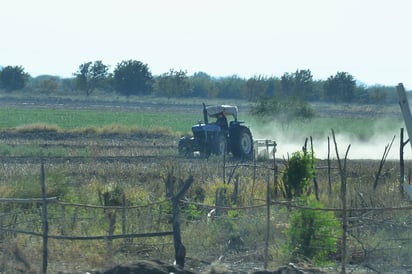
x=312 y=233
x=297 y=174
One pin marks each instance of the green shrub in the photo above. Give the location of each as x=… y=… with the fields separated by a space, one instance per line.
x=191 y=212
x=297 y=174
x=312 y=233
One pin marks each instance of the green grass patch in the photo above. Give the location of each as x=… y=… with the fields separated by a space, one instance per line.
x=104 y=121
x=69 y=119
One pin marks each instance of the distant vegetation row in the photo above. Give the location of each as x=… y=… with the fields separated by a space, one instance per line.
x=134 y=78
x=92 y=121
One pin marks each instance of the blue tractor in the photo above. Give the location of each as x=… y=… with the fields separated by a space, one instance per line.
x=218 y=137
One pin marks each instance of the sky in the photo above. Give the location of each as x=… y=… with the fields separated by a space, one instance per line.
x=369 y=39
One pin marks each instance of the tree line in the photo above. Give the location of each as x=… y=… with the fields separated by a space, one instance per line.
x=132 y=77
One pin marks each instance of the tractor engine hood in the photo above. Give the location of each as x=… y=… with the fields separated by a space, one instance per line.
x=205 y=127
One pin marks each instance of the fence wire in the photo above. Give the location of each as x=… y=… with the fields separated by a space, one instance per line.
x=85 y=236
x=92 y=236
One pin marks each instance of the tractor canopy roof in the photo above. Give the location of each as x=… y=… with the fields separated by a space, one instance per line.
x=214 y=111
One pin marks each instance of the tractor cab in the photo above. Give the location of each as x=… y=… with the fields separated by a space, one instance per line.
x=227 y=110
x=220 y=112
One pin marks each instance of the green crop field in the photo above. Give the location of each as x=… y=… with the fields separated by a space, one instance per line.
x=180 y=121
x=68 y=119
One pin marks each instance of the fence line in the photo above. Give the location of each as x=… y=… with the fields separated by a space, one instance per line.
x=289 y=204
x=272 y=202
x=110 y=236
x=81 y=238
x=28 y=200
x=109 y=212
x=112 y=207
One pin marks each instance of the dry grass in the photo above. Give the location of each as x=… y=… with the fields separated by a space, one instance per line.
x=38 y=127
x=142 y=180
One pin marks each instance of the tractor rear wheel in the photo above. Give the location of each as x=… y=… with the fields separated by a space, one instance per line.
x=242 y=143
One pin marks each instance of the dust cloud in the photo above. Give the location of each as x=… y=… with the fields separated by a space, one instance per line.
x=290 y=140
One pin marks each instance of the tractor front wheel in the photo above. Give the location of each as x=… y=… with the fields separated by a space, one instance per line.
x=185 y=146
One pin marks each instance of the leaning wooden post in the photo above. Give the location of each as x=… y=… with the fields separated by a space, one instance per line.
x=44 y=216
x=406 y=112
x=180 y=250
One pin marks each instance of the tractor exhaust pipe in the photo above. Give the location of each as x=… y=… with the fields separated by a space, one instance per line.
x=205 y=114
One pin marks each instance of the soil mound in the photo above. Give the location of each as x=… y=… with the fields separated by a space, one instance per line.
x=158 y=267
x=145 y=267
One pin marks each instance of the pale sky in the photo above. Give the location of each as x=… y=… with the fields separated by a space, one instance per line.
x=370 y=39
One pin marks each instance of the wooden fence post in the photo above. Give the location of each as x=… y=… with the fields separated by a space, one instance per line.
x=401 y=161
x=124 y=205
x=44 y=216
x=111 y=215
x=254 y=170
x=329 y=169
x=315 y=180
x=275 y=171
x=267 y=223
x=220 y=200
x=224 y=165
x=342 y=171
x=180 y=250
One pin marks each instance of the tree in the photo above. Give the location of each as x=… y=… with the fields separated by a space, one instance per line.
x=284 y=110
x=132 y=78
x=317 y=90
x=340 y=88
x=378 y=94
x=68 y=84
x=299 y=84
x=49 y=85
x=287 y=84
x=13 y=78
x=230 y=87
x=173 y=84
x=91 y=76
x=255 y=88
x=202 y=85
